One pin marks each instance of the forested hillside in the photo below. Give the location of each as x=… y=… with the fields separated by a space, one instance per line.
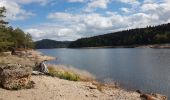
x=140 y=36
x=48 y=44
x=12 y=38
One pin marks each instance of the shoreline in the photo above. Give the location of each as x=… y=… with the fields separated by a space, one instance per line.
x=65 y=89
x=153 y=46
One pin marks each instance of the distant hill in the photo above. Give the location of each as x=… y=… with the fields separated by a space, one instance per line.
x=140 y=36
x=48 y=44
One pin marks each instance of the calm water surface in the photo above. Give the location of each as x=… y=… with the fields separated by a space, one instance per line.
x=134 y=68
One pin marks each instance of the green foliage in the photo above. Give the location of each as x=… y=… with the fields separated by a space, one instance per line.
x=2 y=22
x=141 y=36
x=63 y=74
x=16 y=38
x=12 y=38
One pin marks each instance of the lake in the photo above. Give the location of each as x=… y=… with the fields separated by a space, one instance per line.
x=134 y=68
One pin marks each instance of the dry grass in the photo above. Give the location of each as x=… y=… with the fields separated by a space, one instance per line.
x=69 y=73
x=15 y=60
x=63 y=74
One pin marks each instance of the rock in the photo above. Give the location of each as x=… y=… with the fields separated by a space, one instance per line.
x=15 y=76
x=93 y=95
x=18 y=53
x=13 y=51
x=37 y=73
x=153 y=97
x=41 y=67
x=160 y=97
x=139 y=91
x=92 y=86
x=147 y=97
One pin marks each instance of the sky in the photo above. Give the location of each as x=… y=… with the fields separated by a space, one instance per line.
x=68 y=20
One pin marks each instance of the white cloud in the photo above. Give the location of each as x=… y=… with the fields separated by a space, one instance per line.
x=160 y=9
x=41 y=2
x=149 y=7
x=68 y=26
x=152 y=1
x=76 y=0
x=14 y=11
x=133 y=6
x=97 y=21
x=35 y=32
x=61 y=16
x=125 y=10
x=55 y=32
x=129 y=1
x=94 y=4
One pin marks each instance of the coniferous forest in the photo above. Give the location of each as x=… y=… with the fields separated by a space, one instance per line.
x=141 y=36
x=12 y=38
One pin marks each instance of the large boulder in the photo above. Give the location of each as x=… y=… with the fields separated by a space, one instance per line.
x=15 y=76
x=41 y=67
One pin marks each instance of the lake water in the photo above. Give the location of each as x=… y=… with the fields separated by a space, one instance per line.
x=134 y=68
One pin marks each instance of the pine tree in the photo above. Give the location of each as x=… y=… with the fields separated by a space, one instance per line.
x=3 y=23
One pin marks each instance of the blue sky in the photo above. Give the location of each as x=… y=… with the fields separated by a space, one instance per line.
x=72 y=19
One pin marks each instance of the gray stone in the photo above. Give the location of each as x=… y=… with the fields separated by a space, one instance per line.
x=37 y=73
x=42 y=67
x=90 y=86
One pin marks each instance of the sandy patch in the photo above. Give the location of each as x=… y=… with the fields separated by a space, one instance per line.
x=50 y=88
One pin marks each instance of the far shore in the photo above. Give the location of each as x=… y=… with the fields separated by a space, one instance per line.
x=155 y=46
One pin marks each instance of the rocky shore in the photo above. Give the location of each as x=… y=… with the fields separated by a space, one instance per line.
x=156 y=46
x=15 y=72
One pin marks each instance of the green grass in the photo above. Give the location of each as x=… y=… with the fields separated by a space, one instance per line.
x=63 y=74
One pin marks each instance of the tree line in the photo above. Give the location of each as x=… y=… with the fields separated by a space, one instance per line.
x=139 y=36
x=12 y=38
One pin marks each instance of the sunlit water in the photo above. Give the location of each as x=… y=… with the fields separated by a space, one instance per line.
x=144 y=69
